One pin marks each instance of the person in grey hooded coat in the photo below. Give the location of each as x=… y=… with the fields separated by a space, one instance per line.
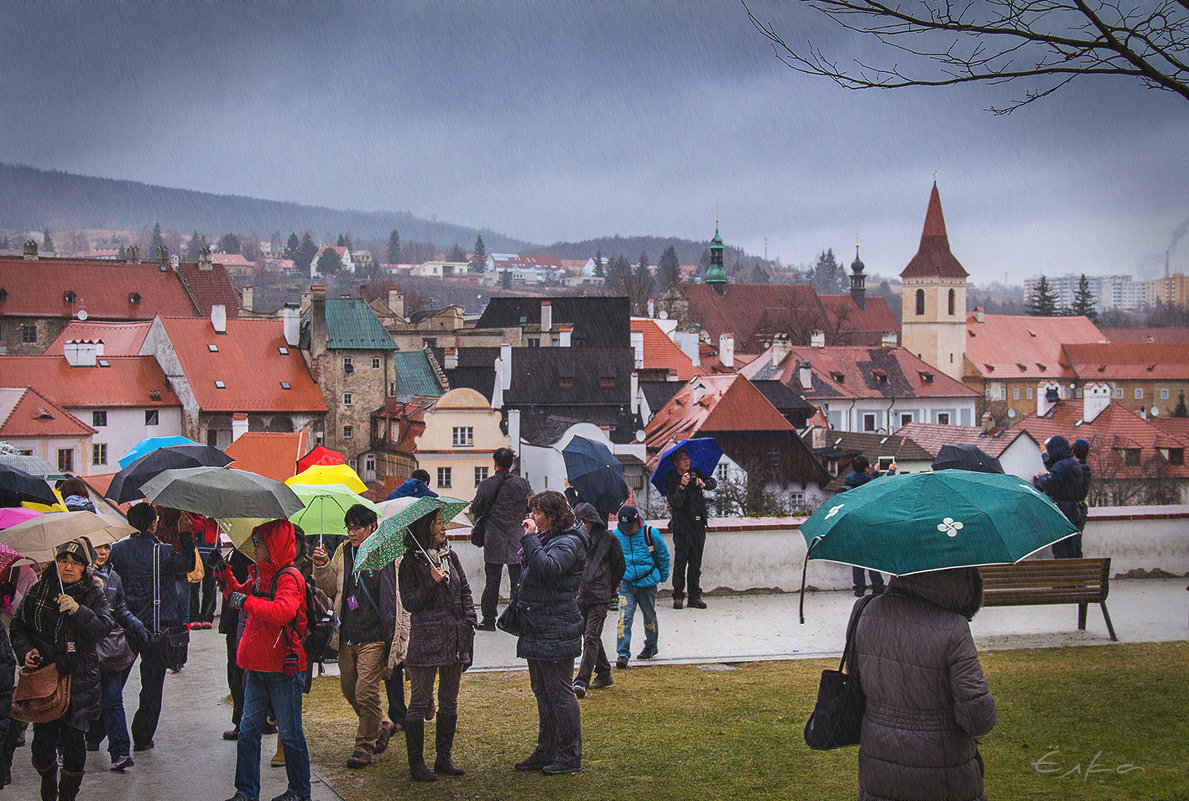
x=927 y=698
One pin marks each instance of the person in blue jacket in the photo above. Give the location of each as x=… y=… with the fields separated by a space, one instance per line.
x=646 y=564
x=415 y=486
x=1066 y=484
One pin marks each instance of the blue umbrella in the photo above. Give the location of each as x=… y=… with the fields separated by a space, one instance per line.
x=597 y=475
x=704 y=454
x=151 y=444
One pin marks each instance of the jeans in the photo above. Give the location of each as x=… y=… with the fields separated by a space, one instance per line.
x=112 y=724
x=687 y=562
x=559 y=727
x=489 y=603
x=629 y=598
x=594 y=656
x=284 y=693
x=183 y=591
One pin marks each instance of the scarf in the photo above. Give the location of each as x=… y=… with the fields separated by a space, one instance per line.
x=440 y=557
x=39 y=608
x=542 y=537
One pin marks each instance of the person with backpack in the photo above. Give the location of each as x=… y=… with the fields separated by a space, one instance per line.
x=601 y=576
x=646 y=564
x=366 y=605
x=272 y=657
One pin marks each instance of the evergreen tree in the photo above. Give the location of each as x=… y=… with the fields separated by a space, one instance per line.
x=4 y=243
x=392 y=253
x=341 y=243
x=229 y=243
x=668 y=269
x=456 y=253
x=759 y=275
x=157 y=242
x=123 y=253
x=618 y=272
x=1180 y=410
x=1043 y=300
x=1083 y=300
x=306 y=252
x=828 y=275
x=292 y=247
x=48 y=247
x=478 y=257
x=329 y=263
x=599 y=271
x=194 y=247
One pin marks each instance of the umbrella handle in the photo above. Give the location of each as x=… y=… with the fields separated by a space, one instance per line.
x=804 y=570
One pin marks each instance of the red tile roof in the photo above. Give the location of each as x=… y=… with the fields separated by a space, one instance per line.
x=25 y=412
x=119 y=339
x=407 y=420
x=212 y=286
x=931 y=436
x=1147 y=334
x=1006 y=346
x=850 y=325
x=933 y=257
x=1135 y=361
x=248 y=362
x=754 y=313
x=662 y=353
x=271 y=455
x=104 y=289
x=726 y=403
x=1176 y=426
x=124 y=381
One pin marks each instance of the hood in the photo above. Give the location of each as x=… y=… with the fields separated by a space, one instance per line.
x=958 y=589
x=282 y=545
x=1058 y=448
x=586 y=512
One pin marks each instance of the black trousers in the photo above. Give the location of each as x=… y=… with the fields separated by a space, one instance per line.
x=559 y=732
x=49 y=738
x=491 y=589
x=857 y=579
x=235 y=681
x=594 y=655
x=688 y=545
x=421 y=681
x=152 y=684
x=202 y=599
x=394 y=687
x=1068 y=548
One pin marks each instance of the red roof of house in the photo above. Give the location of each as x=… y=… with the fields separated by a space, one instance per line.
x=1135 y=361
x=248 y=362
x=119 y=339
x=850 y=325
x=271 y=455
x=931 y=436
x=933 y=257
x=754 y=313
x=25 y=412
x=113 y=381
x=212 y=286
x=1147 y=334
x=1176 y=426
x=1007 y=346
x=104 y=289
x=662 y=353
x=408 y=419
x=713 y=403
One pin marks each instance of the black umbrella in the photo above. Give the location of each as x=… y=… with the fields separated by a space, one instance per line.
x=966 y=457
x=597 y=475
x=125 y=485
x=19 y=485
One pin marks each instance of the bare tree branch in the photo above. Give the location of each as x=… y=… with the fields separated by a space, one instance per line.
x=1048 y=43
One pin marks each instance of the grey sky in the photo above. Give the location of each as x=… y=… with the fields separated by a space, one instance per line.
x=567 y=120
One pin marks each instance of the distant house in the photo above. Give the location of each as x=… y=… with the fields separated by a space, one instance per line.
x=1148 y=377
x=547 y=322
x=344 y=256
x=440 y=269
x=35 y=426
x=1018 y=452
x=460 y=432
x=522 y=268
x=395 y=428
x=835 y=450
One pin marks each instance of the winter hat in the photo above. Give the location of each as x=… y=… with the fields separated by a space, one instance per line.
x=78 y=550
x=628 y=517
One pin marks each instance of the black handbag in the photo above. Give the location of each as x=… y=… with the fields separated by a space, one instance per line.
x=837 y=718
x=114 y=652
x=479 y=530
x=170 y=647
x=509 y=620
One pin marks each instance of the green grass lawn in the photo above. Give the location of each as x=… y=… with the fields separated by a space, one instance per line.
x=1091 y=722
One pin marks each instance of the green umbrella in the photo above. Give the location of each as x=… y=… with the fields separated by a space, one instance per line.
x=387 y=543
x=326 y=504
x=222 y=492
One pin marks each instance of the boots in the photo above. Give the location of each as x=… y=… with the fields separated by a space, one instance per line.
x=415 y=744
x=68 y=787
x=49 y=782
x=445 y=743
x=278 y=759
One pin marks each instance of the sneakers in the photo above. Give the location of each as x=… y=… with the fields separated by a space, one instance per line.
x=290 y=795
x=579 y=689
x=647 y=653
x=359 y=759
x=677 y=603
x=697 y=604
x=122 y=763
x=556 y=769
x=621 y=663
x=601 y=681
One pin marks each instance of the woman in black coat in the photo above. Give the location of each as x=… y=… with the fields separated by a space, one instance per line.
x=59 y=622
x=553 y=551
x=434 y=590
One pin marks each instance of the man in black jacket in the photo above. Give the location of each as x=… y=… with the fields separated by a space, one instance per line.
x=685 y=488
x=600 y=585
x=503 y=498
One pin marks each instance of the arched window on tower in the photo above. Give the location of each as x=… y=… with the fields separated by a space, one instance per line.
x=920 y=301
x=952 y=296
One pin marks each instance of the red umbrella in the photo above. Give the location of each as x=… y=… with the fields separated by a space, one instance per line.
x=320 y=455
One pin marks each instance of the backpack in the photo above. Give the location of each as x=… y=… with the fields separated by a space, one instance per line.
x=651 y=548
x=320 y=622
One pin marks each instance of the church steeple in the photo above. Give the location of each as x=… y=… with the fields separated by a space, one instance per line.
x=716 y=274
x=858 y=281
x=933 y=257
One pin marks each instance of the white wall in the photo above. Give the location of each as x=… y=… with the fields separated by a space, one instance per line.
x=845 y=415
x=126 y=427
x=544 y=466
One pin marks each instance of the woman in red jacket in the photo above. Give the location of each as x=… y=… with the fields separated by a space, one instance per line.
x=271 y=656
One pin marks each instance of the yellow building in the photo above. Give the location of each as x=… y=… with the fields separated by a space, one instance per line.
x=461 y=432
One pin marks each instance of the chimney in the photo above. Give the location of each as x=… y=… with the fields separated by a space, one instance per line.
x=688 y=342
x=988 y=423
x=450 y=358
x=635 y=392
x=132 y=255
x=239 y=425
x=726 y=350
x=637 y=340
x=817 y=339
x=318 y=293
x=174 y=261
x=565 y=336
x=697 y=392
x=81 y=352
x=219 y=318
x=1095 y=399
x=306 y=298
x=30 y=250
x=817 y=437
x=505 y=366
x=514 y=429
x=291 y=325
x=546 y=317
x=396 y=300
x=978 y=314
x=782 y=346
x=651 y=308
x=804 y=375
x=888 y=340
x=1047 y=395
x=248 y=298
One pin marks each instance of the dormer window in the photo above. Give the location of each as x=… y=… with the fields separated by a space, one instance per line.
x=213 y=348
x=3 y=294
x=134 y=298
x=103 y=362
x=566 y=382
x=838 y=377
x=926 y=378
x=283 y=351
x=69 y=296
x=284 y=385
x=607 y=382
x=881 y=377
x=219 y=384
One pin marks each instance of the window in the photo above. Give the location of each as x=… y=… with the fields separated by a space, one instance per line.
x=347 y=398
x=1131 y=457
x=920 y=302
x=1029 y=393
x=444 y=477
x=213 y=348
x=868 y=422
x=369 y=463
x=348 y=432
x=951 y=303
x=352 y=463
x=283 y=350
x=797 y=500
x=774 y=457
x=534 y=342
x=905 y=418
x=565 y=382
x=1016 y=393
x=375 y=362
x=28 y=334
x=348 y=364
x=99 y=419
x=943 y=418
x=1139 y=393
x=151 y=417
x=220 y=384
x=464 y=436
x=284 y=385
x=1164 y=393
x=66 y=460
x=1119 y=393
x=1176 y=456
x=480 y=475
x=607 y=382
x=99 y=453
x=721 y=473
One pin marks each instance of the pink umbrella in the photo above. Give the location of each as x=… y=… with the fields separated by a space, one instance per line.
x=8 y=558
x=10 y=516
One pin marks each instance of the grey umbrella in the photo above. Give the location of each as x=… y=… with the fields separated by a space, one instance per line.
x=33 y=465
x=222 y=492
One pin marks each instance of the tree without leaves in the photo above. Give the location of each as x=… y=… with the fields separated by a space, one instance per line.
x=1046 y=43
x=1043 y=300
x=1083 y=300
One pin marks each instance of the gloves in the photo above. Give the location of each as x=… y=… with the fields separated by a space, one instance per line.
x=216 y=562
x=236 y=600
x=67 y=605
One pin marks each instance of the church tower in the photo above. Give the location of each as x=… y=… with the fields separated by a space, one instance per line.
x=716 y=275
x=933 y=325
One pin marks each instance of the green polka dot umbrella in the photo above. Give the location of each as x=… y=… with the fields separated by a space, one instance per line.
x=387 y=543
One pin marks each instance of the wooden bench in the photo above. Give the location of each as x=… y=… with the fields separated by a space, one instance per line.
x=1050 y=581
